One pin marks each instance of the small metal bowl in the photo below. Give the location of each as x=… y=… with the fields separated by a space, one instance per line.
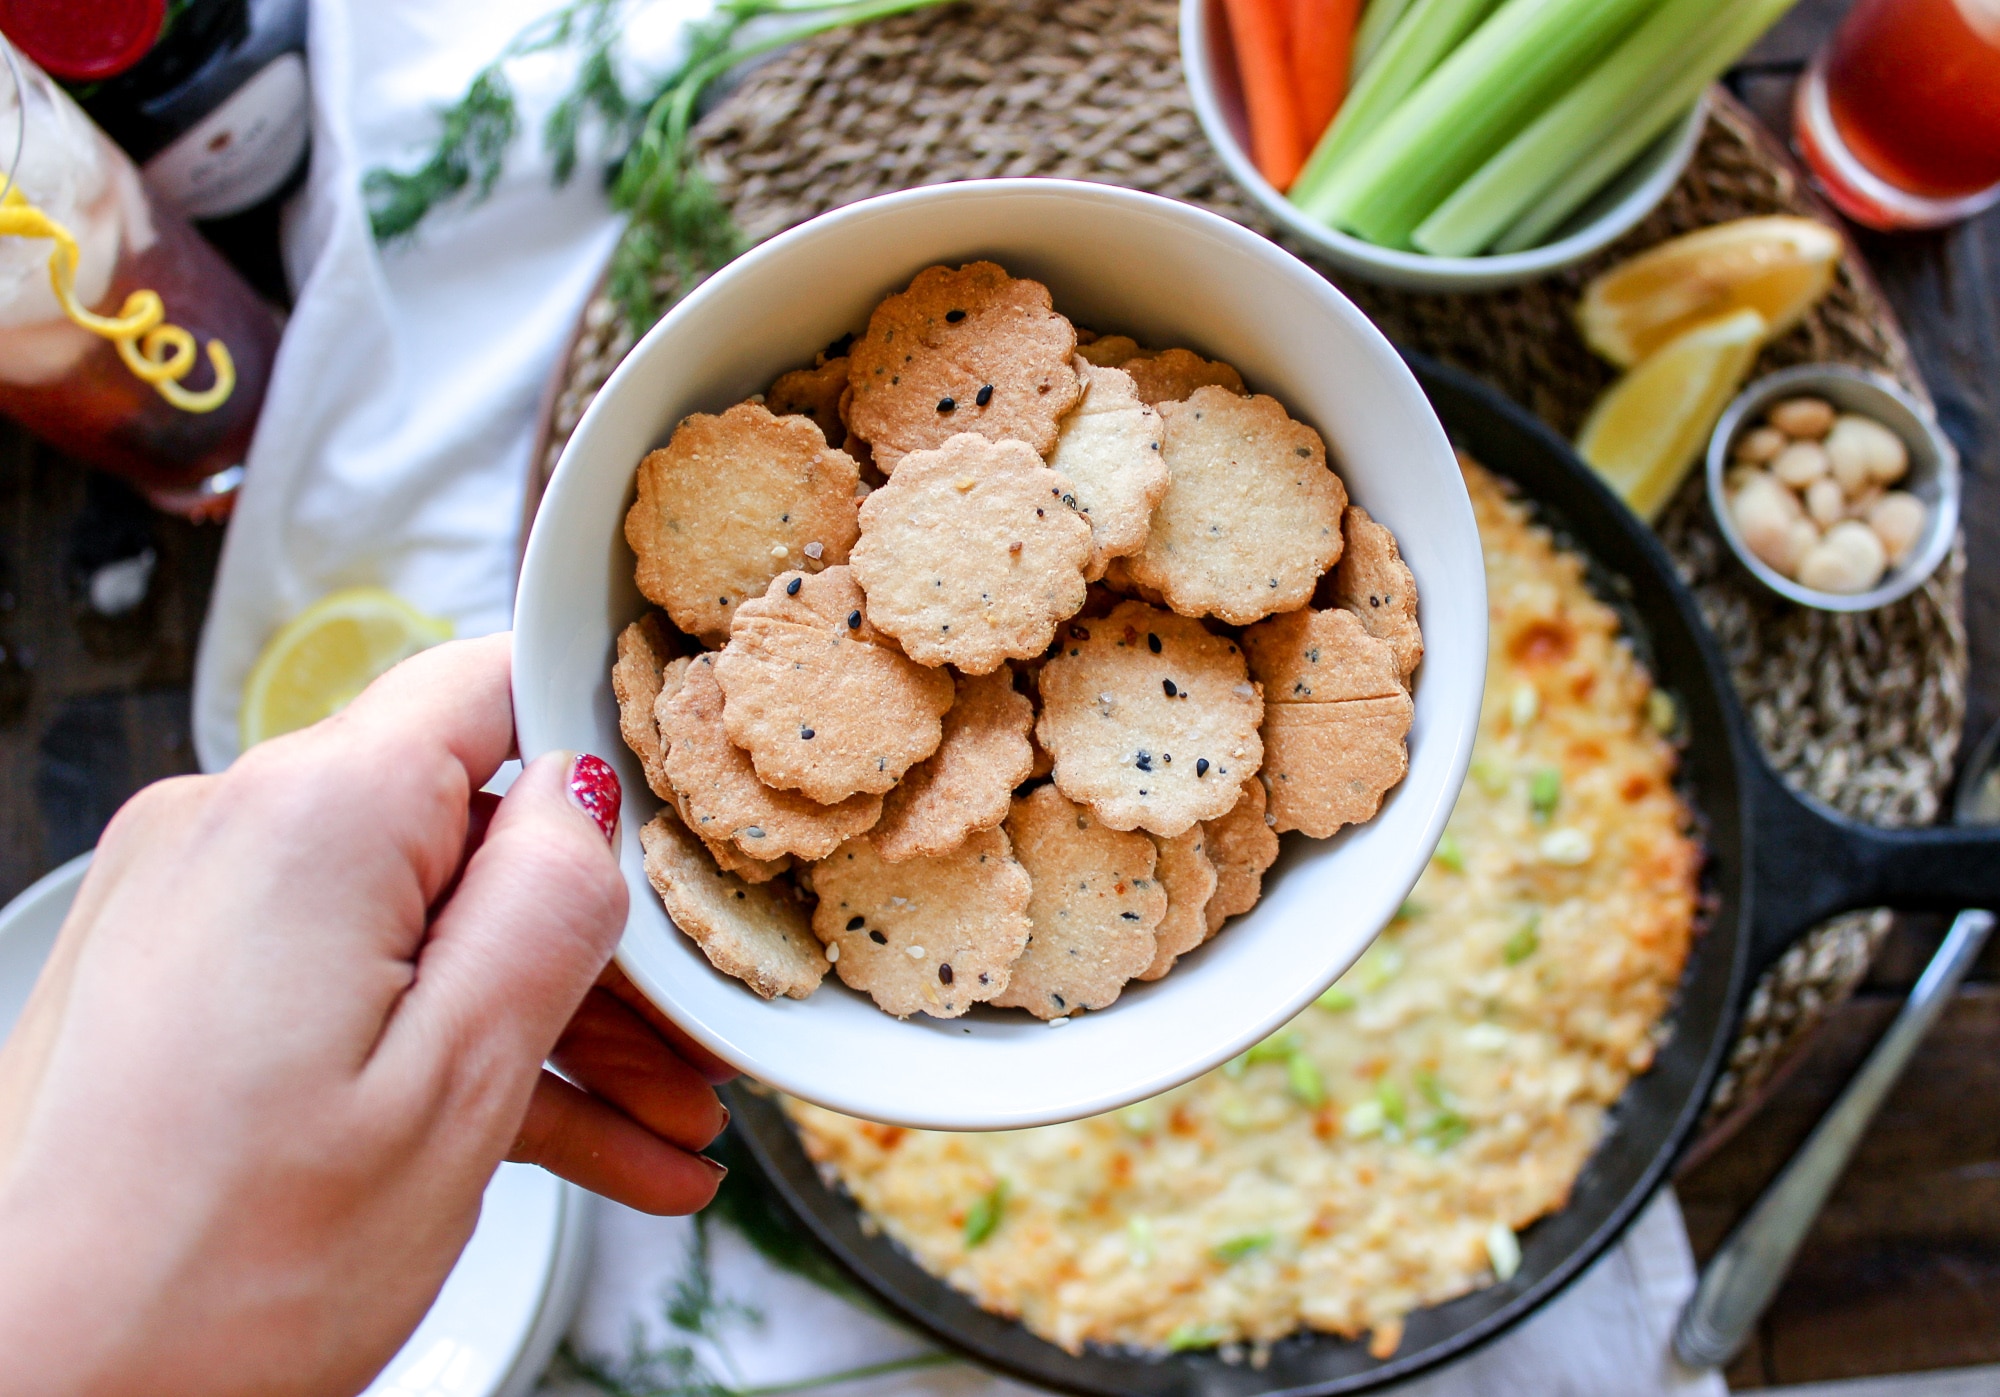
x=1933 y=476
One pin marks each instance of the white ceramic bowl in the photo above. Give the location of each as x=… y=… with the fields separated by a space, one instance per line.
x=1933 y=476
x=1168 y=274
x=1206 y=58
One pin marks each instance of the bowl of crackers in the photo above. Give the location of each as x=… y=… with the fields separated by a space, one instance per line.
x=1042 y=630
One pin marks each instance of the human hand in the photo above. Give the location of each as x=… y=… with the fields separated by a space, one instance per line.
x=295 y=1019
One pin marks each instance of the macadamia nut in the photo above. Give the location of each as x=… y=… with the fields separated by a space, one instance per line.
x=1826 y=502
x=1803 y=418
x=1862 y=449
x=1800 y=464
x=1849 y=559
x=1764 y=512
x=1761 y=446
x=1899 y=519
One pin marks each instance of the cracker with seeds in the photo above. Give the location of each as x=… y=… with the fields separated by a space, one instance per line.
x=823 y=702
x=722 y=796
x=759 y=934
x=1095 y=908
x=1189 y=876
x=1241 y=845
x=968 y=783
x=1174 y=375
x=812 y=393
x=731 y=859
x=729 y=503
x=1251 y=517
x=1337 y=720
x=932 y=935
x=1109 y=449
x=1108 y=351
x=1152 y=720
x=637 y=676
x=967 y=349
x=1374 y=583
x=972 y=554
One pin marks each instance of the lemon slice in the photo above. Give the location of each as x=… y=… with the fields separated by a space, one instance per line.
x=1777 y=267
x=320 y=659
x=1649 y=426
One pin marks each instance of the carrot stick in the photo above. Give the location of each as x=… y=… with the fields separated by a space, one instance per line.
x=1322 y=44
x=1257 y=31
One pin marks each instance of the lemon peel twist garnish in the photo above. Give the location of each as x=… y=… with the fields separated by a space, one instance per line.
x=155 y=351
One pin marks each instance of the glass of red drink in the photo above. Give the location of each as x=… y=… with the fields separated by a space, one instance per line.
x=70 y=386
x=1899 y=115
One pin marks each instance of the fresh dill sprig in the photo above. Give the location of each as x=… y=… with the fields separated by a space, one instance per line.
x=677 y=222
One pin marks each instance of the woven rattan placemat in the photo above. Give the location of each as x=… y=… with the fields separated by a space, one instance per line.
x=1863 y=711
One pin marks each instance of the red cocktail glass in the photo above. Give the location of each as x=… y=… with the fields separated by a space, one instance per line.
x=1899 y=115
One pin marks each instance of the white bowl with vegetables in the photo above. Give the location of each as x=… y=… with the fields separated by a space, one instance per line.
x=1477 y=146
x=1834 y=487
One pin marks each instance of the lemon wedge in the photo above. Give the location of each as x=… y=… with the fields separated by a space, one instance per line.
x=322 y=658
x=1650 y=425
x=1776 y=266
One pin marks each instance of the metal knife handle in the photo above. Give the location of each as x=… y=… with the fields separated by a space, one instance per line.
x=1742 y=1277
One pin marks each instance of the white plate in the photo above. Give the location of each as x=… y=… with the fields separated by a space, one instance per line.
x=1114 y=259
x=509 y=1298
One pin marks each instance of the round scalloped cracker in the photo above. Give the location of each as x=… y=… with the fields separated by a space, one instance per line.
x=1109 y=450
x=1095 y=908
x=721 y=794
x=968 y=783
x=759 y=934
x=962 y=350
x=822 y=701
x=1320 y=657
x=813 y=393
x=1173 y=375
x=642 y=669
x=1241 y=845
x=1372 y=581
x=729 y=503
x=972 y=554
x=1251 y=517
x=1108 y=351
x=932 y=935
x=1152 y=720
x=1336 y=721
x=1330 y=764
x=1189 y=876
x=731 y=859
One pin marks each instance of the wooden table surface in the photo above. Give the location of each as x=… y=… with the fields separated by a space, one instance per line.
x=1902 y=1272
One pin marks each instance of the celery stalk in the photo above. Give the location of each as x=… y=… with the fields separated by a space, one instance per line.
x=1420 y=40
x=1466 y=109
x=1531 y=164
x=1720 y=44
x=1376 y=21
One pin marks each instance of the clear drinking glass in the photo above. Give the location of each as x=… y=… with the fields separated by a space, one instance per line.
x=70 y=386
x=1899 y=115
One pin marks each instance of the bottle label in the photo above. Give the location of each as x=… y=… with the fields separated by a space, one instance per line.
x=238 y=154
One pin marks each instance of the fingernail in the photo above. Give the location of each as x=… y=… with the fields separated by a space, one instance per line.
x=593 y=785
x=725 y=1121
x=721 y=1170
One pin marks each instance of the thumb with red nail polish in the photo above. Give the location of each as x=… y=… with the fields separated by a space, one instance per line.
x=593 y=785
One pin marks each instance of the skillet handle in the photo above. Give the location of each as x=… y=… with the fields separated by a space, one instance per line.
x=1810 y=863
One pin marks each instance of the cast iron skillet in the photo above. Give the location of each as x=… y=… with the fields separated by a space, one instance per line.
x=1777 y=865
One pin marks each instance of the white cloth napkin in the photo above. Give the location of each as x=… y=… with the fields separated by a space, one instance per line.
x=393 y=446
x=1606 y=1336
x=393 y=451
